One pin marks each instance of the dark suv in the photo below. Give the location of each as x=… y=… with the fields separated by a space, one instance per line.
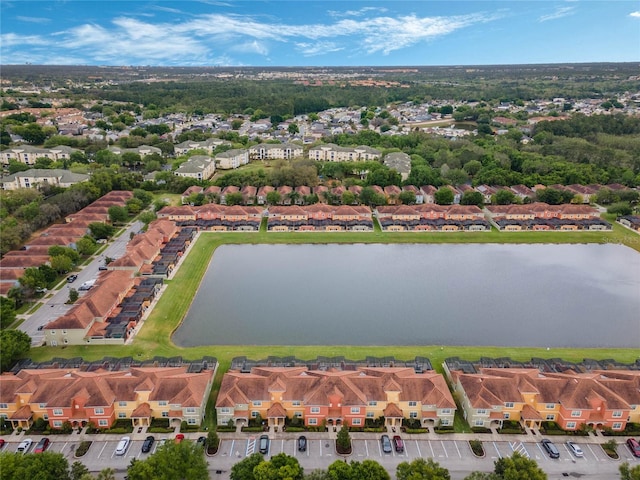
x=148 y=443
x=551 y=449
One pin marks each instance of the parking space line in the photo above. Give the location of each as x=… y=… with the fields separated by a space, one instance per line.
x=418 y=447
x=444 y=448
x=456 y=445
x=593 y=453
x=105 y=446
x=433 y=455
x=498 y=451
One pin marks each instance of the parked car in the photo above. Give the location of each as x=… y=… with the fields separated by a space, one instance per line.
x=201 y=442
x=72 y=278
x=179 y=438
x=386 y=443
x=551 y=449
x=24 y=445
x=302 y=443
x=263 y=445
x=575 y=449
x=123 y=444
x=398 y=444
x=161 y=442
x=2 y=442
x=148 y=443
x=42 y=445
x=634 y=446
x=102 y=267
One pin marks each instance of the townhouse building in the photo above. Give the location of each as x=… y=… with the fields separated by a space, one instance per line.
x=28 y=154
x=103 y=396
x=334 y=396
x=330 y=152
x=275 y=151
x=42 y=177
x=233 y=158
x=598 y=399
x=200 y=167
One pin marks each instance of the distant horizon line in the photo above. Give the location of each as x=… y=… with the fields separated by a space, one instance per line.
x=318 y=66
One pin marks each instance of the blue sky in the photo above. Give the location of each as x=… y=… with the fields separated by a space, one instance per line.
x=318 y=33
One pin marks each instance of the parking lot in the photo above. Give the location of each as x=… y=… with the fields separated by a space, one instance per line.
x=454 y=454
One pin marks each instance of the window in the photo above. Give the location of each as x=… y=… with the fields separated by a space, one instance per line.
x=5 y=406
x=479 y=423
x=99 y=411
x=506 y=415
x=122 y=414
x=616 y=425
x=295 y=403
x=40 y=405
x=446 y=411
x=315 y=409
x=373 y=403
x=165 y=414
x=370 y=415
x=254 y=413
x=122 y=404
x=313 y=421
x=57 y=423
x=225 y=410
x=297 y=414
x=64 y=332
x=482 y=411
x=508 y=405
x=103 y=422
x=576 y=413
x=413 y=404
x=65 y=341
x=44 y=417
x=191 y=421
x=162 y=403
x=444 y=421
x=550 y=406
x=57 y=412
x=190 y=410
x=257 y=403
x=413 y=414
x=356 y=421
x=617 y=414
x=355 y=409
x=571 y=425
x=551 y=418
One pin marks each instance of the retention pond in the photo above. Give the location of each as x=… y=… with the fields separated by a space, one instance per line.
x=471 y=294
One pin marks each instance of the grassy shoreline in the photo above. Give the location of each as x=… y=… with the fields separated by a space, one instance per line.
x=155 y=336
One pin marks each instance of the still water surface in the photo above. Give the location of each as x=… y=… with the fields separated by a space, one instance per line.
x=505 y=295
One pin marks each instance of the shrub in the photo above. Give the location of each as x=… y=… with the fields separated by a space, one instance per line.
x=82 y=448
x=343 y=441
x=477 y=448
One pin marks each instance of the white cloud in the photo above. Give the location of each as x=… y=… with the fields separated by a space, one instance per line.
x=317 y=48
x=558 y=13
x=33 y=19
x=251 y=47
x=635 y=14
x=205 y=38
x=355 y=13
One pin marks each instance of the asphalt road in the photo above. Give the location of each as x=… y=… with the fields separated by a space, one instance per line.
x=53 y=303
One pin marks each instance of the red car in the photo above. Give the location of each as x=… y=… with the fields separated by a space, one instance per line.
x=42 y=445
x=1 y=443
x=179 y=437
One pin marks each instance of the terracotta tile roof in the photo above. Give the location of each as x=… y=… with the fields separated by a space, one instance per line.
x=392 y=410
x=23 y=413
x=276 y=411
x=142 y=411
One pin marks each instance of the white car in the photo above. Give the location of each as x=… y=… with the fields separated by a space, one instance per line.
x=123 y=444
x=24 y=446
x=575 y=449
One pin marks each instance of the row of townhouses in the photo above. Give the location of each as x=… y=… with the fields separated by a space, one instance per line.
x=103 y=394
